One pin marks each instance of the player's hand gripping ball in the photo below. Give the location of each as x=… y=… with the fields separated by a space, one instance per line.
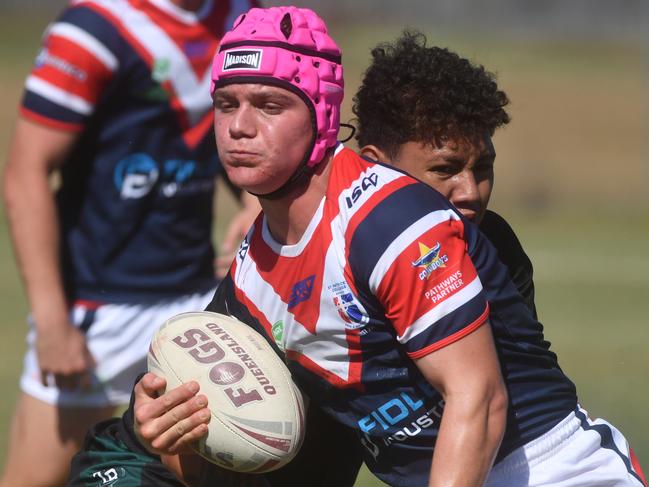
x=258 y=413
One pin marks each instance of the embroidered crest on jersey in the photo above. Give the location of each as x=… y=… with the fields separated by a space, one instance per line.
x=248 y=59
x=430 y=259
x=161 y=70
x=278 y=333
x=301 y=291
x=347 y=306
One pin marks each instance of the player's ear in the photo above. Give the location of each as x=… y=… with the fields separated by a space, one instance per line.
x=374 y=153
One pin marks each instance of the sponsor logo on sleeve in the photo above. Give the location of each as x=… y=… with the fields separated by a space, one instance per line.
x=45 y=58
x=369 y=181
x=242 y=59
x=445 y=287
x=430 y=259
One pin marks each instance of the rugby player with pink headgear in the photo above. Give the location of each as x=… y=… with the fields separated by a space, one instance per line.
x=392 y=310
x=355 y=338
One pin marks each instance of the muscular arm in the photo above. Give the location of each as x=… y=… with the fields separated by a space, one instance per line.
x=467 y=374
x=34 y=153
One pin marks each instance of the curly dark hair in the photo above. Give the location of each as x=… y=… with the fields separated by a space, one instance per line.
x=411 y=92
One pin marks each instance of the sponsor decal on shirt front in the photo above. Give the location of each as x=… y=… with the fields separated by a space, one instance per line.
x=404 y=416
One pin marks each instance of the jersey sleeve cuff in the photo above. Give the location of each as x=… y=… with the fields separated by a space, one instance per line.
x=50 y=122
x=481 y=320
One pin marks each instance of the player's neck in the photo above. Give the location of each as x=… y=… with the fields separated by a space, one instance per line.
x=191 y=5
x=289 y=217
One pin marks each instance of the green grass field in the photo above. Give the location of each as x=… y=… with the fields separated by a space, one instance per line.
x=572 y=178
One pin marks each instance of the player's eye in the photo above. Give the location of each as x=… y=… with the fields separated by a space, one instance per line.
x=485 y=168
x=443 y=170
x=272 y=108
x=223 y=105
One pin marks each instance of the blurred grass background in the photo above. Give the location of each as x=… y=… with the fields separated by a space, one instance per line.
x=572 y=177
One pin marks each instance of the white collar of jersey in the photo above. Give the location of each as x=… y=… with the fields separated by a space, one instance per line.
x=186 y=16
x=295 y=249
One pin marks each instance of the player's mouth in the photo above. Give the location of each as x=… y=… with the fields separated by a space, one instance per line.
x=468 y=214
x=239 y=157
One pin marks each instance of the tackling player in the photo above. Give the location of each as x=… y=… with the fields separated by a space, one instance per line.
x=444 y=138
x=398 y=319
x=118 y=101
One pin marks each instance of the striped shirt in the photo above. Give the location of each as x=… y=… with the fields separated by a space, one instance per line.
x=388 y=271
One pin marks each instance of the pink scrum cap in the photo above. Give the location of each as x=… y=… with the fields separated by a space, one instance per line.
x=287 y=47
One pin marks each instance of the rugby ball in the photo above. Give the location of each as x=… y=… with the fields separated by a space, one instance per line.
x=258 y=413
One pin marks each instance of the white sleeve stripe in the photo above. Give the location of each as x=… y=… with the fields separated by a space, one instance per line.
x=443 y=309
x=406 y=238
x=58 y=96
x=86 y=41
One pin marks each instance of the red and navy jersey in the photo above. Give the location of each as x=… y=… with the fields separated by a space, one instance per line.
x=135 y=203
x=388 y=271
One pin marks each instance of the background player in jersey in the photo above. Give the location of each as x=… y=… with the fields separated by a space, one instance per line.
x=118 y=99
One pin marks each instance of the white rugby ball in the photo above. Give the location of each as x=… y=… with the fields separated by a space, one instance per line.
x=258 y=413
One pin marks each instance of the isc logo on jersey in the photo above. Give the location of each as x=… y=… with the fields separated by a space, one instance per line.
x=369 y=181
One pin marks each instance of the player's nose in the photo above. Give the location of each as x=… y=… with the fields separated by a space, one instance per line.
x=466 y=186
x=242 y=122
x=465 y=194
